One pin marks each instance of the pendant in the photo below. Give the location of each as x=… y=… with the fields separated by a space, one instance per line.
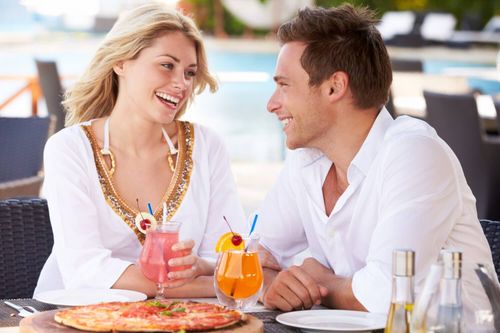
x=143 y=221
x=171 y=162
x=108 y=152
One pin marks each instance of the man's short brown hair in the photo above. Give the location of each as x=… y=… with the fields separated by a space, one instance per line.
x=343 y=39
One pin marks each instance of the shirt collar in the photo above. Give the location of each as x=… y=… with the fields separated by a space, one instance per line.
x=369 y=149
x=362 y=160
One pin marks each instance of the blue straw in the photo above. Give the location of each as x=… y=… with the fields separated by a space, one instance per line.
x=251 y=230
x=253 y=224
x=150 y=208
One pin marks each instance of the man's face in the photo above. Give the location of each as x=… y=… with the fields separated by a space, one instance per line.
x=299 y=107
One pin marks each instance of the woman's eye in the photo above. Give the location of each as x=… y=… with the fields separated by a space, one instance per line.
x=190 y=74
x=168 y=66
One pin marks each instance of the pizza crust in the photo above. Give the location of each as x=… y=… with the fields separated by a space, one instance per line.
x=149 y=316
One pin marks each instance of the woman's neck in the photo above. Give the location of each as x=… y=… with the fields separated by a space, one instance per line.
x=136 y=135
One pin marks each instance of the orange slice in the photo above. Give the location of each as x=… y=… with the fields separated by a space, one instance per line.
x=225 y=243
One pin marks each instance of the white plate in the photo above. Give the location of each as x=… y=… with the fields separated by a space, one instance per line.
x=333 y=320
x=78 y=297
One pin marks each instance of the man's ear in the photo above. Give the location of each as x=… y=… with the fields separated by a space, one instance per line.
x=336 y=85
x=118 y=68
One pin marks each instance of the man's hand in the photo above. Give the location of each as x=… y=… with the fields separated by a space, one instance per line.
x=267 y=260
x=320 y=273
x=293 y=288
x=339 y=289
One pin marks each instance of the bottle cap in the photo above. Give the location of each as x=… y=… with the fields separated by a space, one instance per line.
x=403 y=262
x=452 y=264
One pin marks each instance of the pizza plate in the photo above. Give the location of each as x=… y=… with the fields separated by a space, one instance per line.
x=78 y=297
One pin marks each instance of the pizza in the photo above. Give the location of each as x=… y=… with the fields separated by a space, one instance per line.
x=149 y=316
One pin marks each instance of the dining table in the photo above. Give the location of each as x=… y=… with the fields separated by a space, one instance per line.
x=9 y=320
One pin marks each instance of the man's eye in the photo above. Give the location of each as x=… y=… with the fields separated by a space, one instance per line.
x=168 y=66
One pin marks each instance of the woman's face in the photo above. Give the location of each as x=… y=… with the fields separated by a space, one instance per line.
x=159 y=81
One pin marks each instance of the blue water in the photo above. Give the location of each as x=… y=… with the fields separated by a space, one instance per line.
x=485 y=86
x=237 y=111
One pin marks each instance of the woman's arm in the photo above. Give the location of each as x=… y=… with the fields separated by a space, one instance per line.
x=83 y=259
x=133 y=279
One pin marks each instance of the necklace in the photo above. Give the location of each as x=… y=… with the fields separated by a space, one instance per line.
x=105 y=151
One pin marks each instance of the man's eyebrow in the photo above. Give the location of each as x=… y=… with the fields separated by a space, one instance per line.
x=176 y=59
x=277 y=78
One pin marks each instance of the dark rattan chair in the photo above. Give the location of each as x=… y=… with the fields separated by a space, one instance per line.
x=50 y=82
x=492 y=231
x=26 y=240
x=456 y=120
x=497 y=107
x=407 y=65
x=21 y=147
x=402 y=65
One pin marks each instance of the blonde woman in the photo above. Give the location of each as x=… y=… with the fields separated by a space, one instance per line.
x=124 y=142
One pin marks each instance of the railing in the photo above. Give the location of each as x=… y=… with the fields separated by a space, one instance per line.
x=32 y=86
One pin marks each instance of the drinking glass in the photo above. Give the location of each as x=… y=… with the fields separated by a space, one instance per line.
x=238 y=276
x=477 y=313
x=156 y=253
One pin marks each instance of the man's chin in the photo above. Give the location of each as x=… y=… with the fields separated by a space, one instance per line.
x=292 y=145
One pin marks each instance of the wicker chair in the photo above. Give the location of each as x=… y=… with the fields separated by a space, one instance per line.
x=402 y=65
x=456 y=120
x=492 y=231
x=26 y=238
x=50 y=82
x=22 y=141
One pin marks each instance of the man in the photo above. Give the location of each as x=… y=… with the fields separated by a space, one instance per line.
x=357 y=184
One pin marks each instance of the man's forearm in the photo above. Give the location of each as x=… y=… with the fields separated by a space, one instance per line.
x=340 y=295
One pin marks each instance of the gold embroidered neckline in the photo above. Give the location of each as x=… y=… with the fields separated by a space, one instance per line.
x=175 y=192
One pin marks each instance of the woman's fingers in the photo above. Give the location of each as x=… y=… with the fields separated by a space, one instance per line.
x=186 y=274
x=188 y=260
x=183 y=245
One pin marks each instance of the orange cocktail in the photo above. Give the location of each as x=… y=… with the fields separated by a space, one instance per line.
x=238 y=278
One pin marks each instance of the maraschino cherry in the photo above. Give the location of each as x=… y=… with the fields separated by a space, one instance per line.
x=145 y=223
x=236 y=239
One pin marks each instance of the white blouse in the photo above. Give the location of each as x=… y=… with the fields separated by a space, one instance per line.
x=95 y=238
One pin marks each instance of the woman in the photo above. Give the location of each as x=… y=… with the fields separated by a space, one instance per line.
x=126 y=148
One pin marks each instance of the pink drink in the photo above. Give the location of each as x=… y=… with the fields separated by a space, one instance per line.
x=156 y=253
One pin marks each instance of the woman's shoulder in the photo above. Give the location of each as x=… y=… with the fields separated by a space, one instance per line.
x=205 y=134
x=69 y=138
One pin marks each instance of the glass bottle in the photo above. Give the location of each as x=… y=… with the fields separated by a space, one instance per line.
x=403 y=271
x=450 y=312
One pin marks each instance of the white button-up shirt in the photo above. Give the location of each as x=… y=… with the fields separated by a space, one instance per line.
x=406 y=190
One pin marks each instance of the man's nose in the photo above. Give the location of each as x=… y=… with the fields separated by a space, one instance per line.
x=273 y=104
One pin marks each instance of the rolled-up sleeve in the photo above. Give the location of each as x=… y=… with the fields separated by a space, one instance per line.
x=81 y=258
x=419 y=202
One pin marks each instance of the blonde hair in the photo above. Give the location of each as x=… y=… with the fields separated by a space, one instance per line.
x=94 y=94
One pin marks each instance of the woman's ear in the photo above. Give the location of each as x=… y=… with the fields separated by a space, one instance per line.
x=118 y=68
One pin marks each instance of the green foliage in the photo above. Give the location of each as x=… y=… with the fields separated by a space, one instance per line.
x=204 y=10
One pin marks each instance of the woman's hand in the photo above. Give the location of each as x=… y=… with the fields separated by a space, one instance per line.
x=186 y=266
